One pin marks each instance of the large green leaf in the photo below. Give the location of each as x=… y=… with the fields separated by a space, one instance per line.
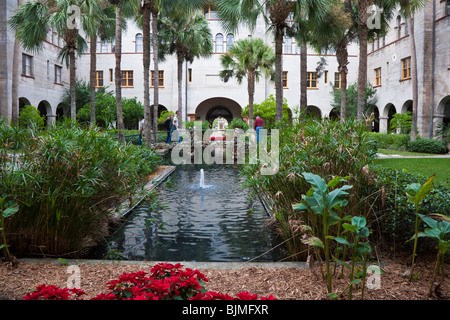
x=416 y=192
x=300 y=206
x=313 y=241
x=318 y=184
x=10 y=211
x=336 y=180
x=337 y=196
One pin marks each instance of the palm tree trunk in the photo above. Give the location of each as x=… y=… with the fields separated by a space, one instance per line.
x=414 y=80
x=156 y=73
x=73 y=85
x=362 y=69
x=303 y=76
x=146 y=62
x=251 y=96
x=93 y=77
x=118 y=73
x=15 y=78
x=342 y=58
x=180 y=86
x=279 y=74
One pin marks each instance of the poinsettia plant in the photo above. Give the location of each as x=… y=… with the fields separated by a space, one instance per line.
x=165 y=281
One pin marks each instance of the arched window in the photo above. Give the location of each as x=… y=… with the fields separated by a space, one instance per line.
x=230 y=41
x=139 y=43
x=399 y=27
x=287 y=45
x=219 y=43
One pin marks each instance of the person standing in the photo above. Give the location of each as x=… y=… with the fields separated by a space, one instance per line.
x=259 y=124
x=141 y=130
x=168 y=125
x=175 y=125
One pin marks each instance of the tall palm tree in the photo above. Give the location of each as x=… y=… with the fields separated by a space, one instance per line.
x=124 y=9
x=15 y=77
x=336 y=32
x=33 y=20
x=275 y=13
x=408 y=8
x=362 y=17
x=306 y=19
x=101 y=23
x=186 y=34
x=248 y=58
x=151 y=9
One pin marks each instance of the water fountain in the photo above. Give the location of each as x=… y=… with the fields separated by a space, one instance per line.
x=202 y=178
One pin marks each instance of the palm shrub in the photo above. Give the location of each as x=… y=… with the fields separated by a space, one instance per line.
x=327 y=148
x=65 y=183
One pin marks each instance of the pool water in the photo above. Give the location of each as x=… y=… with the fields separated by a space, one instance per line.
x=218 y=222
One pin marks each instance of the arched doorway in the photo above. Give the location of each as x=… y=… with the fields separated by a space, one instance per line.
x=385 y=120
x=442 y=118
x=211 y=109
x=376 y=119
x=407 y=106
x=313 y=112
x=219 y=111
x=61 y=112
x=23 y=102
x=45 y=110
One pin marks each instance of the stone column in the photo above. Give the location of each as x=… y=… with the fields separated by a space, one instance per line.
x=384 y=124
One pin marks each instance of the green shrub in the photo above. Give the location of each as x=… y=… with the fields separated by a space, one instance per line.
x=205 y=124
x=427 y=146
x=66 y=181
x=395 y=216
x=390 y=141
x=266 y=110
x=30 y=116
x=238 y=123
x=325 y=147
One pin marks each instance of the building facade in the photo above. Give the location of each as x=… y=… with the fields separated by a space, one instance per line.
x=42 y=78
x=205 y=95
x=389 y=68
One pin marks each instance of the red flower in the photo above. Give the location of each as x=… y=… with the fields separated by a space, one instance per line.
x=246 y=296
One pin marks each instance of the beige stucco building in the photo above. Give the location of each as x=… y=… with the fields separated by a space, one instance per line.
x=43 y=79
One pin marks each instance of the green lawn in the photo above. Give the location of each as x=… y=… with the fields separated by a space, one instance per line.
x=404 y=153
x=426 y=167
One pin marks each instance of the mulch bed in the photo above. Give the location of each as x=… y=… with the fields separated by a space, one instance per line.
x=282 y=283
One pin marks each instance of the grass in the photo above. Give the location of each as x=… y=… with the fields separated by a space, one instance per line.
x=423 y=166
x=404 y=153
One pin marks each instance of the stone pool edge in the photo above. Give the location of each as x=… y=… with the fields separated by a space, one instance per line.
x=186 y=264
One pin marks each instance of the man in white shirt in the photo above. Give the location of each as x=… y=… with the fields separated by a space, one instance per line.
x=141 y=131
x=175 y=134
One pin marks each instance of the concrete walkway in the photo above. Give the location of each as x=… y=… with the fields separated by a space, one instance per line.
x=397 y=156
x=186 y=264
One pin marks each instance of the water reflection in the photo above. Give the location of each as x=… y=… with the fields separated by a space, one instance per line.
x=214 y=223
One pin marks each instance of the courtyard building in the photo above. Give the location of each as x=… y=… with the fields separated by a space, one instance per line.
x=44 y=79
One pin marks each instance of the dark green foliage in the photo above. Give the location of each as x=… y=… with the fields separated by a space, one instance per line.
x=427 y=146
x=325 y=147
x=238 y=123
x=395 y=217
x=64 y=181
x=390 y=141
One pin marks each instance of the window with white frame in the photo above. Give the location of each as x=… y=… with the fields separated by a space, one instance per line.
x=139 y=43
x=27 y=65
x=219 y=43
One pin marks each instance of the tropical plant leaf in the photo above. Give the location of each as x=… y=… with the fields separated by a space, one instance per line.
x=334 y=182
x=313 y=241
x=300 y=206
x=316 y=181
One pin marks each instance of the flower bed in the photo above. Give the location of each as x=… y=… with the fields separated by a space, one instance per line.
x=164 y=282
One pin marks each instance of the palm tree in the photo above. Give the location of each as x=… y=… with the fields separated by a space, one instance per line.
x=124 y=9
x=336 y=32
x=362 y=17
x=306 y=19
x=100 y=23
x=275 y=13
x=15 y=77
x=186 y=34
x=33 y=20
x=248 y=58
x=151 y=9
